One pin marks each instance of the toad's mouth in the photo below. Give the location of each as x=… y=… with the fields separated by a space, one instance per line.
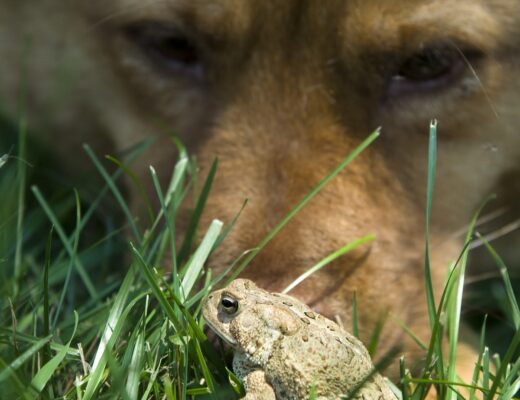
x=223 y=335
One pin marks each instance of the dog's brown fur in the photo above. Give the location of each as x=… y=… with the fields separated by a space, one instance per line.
x=291 y=88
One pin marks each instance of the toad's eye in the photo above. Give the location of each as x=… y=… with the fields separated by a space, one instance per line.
x=229 y=305
x=434 y=67
x=167 y=48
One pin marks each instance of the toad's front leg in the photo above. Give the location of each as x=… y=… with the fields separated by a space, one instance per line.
x=253 y=378
x=257 y=388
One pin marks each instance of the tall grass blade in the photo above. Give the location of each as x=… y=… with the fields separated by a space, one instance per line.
x=169 y=219
x=117 y=373
x=64 y=239
x=22 y=173
x=47 y=371
x=511 y=296
x=432 y=160
x=115 y=191
x=376 y=334
x=72 y=261
x=197 y=213
x=230 y=226
x=46 y=313
x=476 y=371
x=156 y=289
x=403 y=373
x=434 y=316
x=511 y=383
x=130 y=156
x=24 y=357
x=137 y=183
x=355 y=328
x=327 y=260
x=134 y=369
x=455 y=286
x=179 y=173
x=501 y=372
x=194 y=266
x=106 y=344
x=115 y=314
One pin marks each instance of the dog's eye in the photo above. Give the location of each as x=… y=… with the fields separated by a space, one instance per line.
x=229 y=305
x=432 y=68
x=429 y=64
x=167 y=49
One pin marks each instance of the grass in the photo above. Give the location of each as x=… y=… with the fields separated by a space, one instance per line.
x=93 y=310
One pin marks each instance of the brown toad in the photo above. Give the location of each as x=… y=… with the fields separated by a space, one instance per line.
x=281 y=347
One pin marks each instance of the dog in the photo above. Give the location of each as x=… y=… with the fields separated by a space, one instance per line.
x=281 y=92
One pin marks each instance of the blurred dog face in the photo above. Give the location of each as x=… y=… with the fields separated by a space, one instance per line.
x=282 y=91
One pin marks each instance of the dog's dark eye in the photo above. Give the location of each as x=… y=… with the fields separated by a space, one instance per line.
x=229 y=305
x=432 y=68
x=167 y=49
x=429 y=64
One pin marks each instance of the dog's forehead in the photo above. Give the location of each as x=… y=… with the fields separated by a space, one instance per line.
x=352 y=21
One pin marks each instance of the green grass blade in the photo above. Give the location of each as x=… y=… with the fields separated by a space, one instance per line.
x=24 y=357
x=179 y=173
x=168 y=388
x=168 y=219
x=376 y=334
x=63 y=237
x=236 y=384
x=156 y=289
x=29 y=339
x=106 y=344
x=313 y=392
x=511 y=351
x=115 y=314
x=115 y=191
x=397 y=392
x=454 y=302
x=432 y=160
x=46 y=313
x=154 y=367
x=117 y=373
x=204 y=367
x=21 y=167
x=194 y=266
x=17 y=382
x=403 y=374
x=136 y=182
x=445 y=383
x=352 y=156
x=130 y=156
x=511 y=387
x=328 y=259
x=355 y=328
x=134 y=369
x=412 y=335
x=230 y=226
x=22 y=175
x=433 y=315
x=486 y=376
x=47 y=371
x=75 y=238
x=476 y=372
x=213 y=283
x=164 y=302
x=197 y=213
x=512 y=298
